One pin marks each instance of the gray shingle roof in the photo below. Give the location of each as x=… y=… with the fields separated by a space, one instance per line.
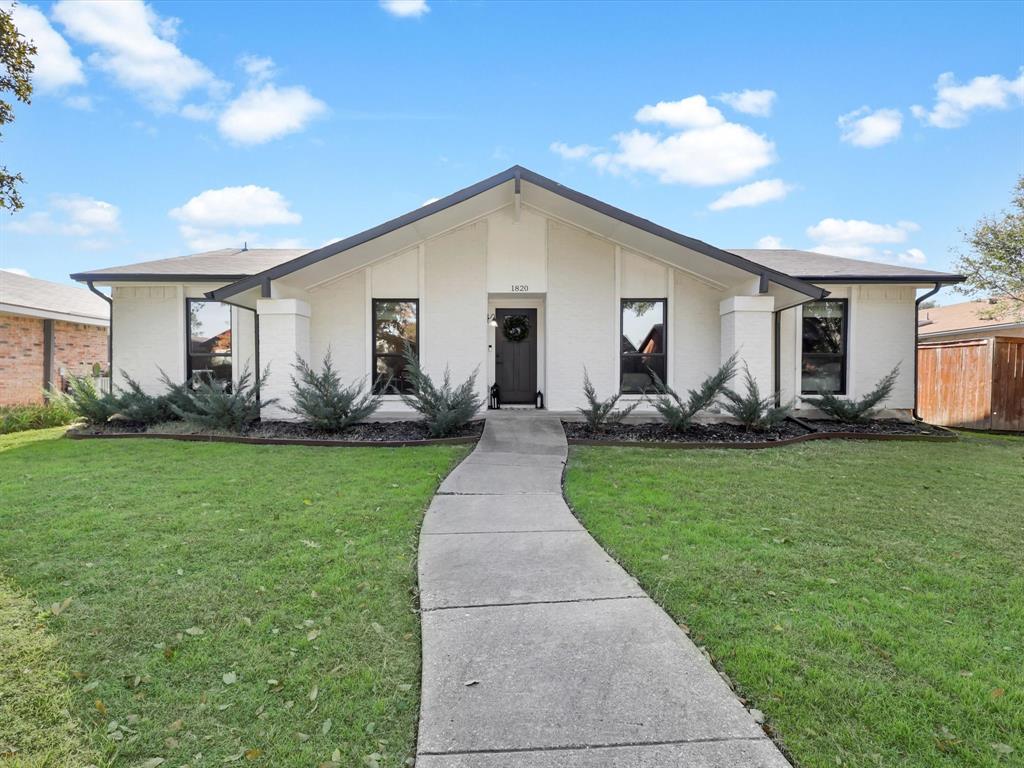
x=808 y=265
x=223 y=264
x=42 y=295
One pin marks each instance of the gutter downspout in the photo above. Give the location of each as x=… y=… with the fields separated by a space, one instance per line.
x=110 y=332
x=917 y=333
x=777 y=355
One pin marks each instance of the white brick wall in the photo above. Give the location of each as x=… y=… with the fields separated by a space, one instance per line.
x=284 y=333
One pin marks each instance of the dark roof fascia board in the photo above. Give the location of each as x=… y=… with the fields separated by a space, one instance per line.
x=896 y=279
x=650 y=227
x=518 y=173
x=307 y=259
x=137 y=277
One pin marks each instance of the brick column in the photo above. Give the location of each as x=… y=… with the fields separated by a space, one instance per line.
x=284 y=333
x=747 y=331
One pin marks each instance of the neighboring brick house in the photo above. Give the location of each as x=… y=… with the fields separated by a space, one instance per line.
x=47 y=331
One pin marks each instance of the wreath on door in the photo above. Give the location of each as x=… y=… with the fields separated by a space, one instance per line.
x=515 y=328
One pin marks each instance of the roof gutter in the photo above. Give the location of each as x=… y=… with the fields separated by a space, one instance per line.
x=917 y=337
x=110 y=331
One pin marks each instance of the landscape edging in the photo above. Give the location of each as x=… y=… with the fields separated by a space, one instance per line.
x=75 y=435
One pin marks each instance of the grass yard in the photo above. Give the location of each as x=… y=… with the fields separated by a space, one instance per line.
x=867 y=596
x=209 y=604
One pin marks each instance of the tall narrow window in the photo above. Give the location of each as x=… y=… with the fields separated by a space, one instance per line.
x=643 y=344
x=209 y=341
x=823 y=364
x=395 y=325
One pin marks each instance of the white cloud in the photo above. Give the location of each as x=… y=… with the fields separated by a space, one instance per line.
x=691 y=112
x=749 y=102
x=227 y=217
x=71 y=216
x=81 y=102
x=263 y=113
x=913 y=256
x=135 y=46
x=955 y=102
x=704 y=149
x=700 y=157
x=405 y=9
x=577 y=152
x=865 y=127
x=16 y=271
x=258 y=68
x=199 y=112
x=856 y=239
x=248 y=206
x=55 y=66
x=771 y=242
x=750 y=195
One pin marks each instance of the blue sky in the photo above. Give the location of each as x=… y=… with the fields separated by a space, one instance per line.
x=167 y=128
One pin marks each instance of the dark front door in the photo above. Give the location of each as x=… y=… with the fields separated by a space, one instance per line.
x=515 y=362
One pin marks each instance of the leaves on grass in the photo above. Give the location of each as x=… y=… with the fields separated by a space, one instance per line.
x=194 y=631
x=153 y=762
x=58 y=608
x=314 y=692
x=313 y=634
x=998 y=693
x=325 y=727
x=101 y=707
x=176 y=726
x=372 y=761
x=229 y=678
x=252 y=754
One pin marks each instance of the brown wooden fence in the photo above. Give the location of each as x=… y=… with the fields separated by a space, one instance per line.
x=973 y=383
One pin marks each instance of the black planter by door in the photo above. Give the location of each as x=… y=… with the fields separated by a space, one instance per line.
x=515 y=362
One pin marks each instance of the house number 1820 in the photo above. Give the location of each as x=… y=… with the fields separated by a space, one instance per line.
x=520 y=289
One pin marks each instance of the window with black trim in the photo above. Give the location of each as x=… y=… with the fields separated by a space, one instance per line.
x=643 y=344
x=395 y=325
x=823 y=361
x=209 y=341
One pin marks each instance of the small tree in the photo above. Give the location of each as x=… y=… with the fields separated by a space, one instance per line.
x=327 y=404
x=211 y=406
x=133 y=404
x=679 y=413
x=444 y=408
x=852 y=411
x=995 y=263
x=16 y=66
x=756 y=413
x=600 y=414
x=93 y=406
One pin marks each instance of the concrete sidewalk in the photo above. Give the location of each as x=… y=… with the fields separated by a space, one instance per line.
x=538 y=649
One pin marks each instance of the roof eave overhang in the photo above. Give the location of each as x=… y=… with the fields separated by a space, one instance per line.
x=52 y=314
x=106 y=278
x=517 y=174
x=893 y=279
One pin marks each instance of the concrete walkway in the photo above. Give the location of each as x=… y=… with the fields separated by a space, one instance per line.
x=539 y=651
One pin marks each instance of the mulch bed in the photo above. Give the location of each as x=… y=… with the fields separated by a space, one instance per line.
x=725 y=435
x=375 y=431
x=378 y=433
x=697 y=433
x=879 y=427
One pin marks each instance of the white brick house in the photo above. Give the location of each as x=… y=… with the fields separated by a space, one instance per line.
x=594 y=287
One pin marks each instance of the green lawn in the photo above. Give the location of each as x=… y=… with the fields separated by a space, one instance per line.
x=226 y=602
x=867 y=596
